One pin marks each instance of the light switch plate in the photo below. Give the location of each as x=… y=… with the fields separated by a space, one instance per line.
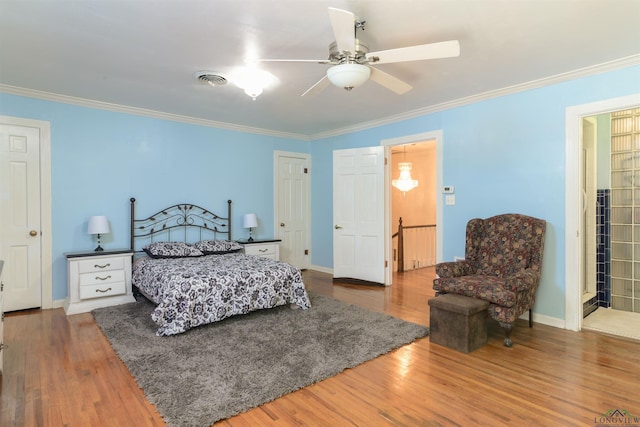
x=450 y=200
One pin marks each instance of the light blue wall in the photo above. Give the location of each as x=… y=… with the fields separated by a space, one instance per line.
x=100 y=159
x=502 y=155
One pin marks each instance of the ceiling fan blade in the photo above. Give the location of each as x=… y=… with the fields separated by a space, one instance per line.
x=390 y=82
x=316 y=61
x=343 y=23
x=318 y=87
x=416 y=53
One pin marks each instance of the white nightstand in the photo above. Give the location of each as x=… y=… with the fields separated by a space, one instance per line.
x=98 y=279
x=264 y=248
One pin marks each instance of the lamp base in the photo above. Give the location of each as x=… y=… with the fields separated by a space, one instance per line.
x=250 y=239
x=99 y=248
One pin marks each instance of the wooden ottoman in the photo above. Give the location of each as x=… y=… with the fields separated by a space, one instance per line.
x=458 y=322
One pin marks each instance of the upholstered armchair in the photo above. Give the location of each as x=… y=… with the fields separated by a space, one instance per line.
x=502 y=265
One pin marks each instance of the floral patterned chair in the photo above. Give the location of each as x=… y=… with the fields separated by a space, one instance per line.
x=503 y=259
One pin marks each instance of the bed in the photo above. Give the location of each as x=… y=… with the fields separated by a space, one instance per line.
x=187 y=264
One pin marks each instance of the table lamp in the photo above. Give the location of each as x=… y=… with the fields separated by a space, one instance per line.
x=250 y=221
x=98 y=225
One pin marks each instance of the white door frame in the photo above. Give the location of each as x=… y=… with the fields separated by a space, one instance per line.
x=402 y=140
x=45 y=202
x=573 y=205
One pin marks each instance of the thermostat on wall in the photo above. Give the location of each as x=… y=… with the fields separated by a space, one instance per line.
x=447 y=189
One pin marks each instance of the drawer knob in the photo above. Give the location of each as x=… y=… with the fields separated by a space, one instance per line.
x=102 y=291
x=263 y=250
x=103 y=278
x=102 y=266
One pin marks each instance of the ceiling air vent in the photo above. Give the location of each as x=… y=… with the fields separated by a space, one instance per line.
x=212 y=78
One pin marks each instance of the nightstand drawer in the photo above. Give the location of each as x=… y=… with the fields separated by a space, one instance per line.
x=101 y=264
x=260 y=249
x=101 y=277
x=102 y=290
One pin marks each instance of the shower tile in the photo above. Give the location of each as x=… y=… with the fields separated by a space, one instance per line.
x=622 y=287
x=603 y=247
x=621 y=303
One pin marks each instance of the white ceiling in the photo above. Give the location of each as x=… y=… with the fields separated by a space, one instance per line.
x=144 y=54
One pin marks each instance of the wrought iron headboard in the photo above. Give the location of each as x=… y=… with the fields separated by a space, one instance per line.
x=186 y=220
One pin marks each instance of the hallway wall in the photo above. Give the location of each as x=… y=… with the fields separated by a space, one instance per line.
x=418 y=206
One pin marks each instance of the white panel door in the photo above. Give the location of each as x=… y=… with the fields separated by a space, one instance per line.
x=20 y=229
x=358 y=214
x=292 y=202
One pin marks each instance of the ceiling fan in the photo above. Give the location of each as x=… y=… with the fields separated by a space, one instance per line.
x=351 y=60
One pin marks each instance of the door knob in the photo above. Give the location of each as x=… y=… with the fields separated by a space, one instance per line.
x=33 y=233
x=282 y=224
x=337 y=227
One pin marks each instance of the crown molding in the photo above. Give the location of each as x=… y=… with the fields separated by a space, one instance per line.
x=89 y=103
x=534 y=84
x=559 y=78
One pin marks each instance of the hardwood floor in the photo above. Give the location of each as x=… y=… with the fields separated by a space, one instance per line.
x=61 y=371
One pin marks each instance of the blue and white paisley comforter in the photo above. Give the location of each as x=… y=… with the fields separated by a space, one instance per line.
x=195 y=291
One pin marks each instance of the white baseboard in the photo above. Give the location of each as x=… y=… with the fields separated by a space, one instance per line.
x=321 y=269
x=538 y=318
x=545 y=320
x=59 y=303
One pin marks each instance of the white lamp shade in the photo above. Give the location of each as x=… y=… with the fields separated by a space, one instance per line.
x=348 y=75
x=250 y=221
x=98 y=225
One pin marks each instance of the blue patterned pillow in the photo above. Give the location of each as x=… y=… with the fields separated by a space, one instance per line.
x=214 y=247
x=171 y=250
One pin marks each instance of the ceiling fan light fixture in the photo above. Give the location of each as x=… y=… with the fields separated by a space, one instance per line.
x=348 y=76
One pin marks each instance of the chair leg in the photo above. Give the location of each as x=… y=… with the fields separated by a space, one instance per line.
x=507 y=333
x=530 y=318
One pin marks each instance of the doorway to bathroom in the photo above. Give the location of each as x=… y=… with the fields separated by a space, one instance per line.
x=611 y=222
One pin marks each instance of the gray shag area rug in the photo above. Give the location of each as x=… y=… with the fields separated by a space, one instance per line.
x=216 y=371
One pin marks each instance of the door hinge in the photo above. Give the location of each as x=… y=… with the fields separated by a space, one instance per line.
x=386 y=263
x=306 y=251
x=385 y=160
x=306 y=170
